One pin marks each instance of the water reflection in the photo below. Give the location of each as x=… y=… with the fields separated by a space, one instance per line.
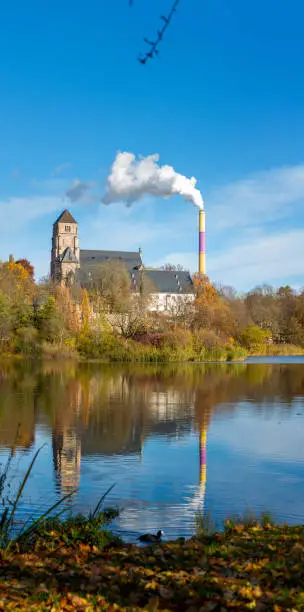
x=146 y=429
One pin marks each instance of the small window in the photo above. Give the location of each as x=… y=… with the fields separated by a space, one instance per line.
x=67 y=228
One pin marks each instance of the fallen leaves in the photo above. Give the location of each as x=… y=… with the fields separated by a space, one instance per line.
x=243 y=569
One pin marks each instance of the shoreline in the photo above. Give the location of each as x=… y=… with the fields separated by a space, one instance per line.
x=246 y=567
x=81 y=359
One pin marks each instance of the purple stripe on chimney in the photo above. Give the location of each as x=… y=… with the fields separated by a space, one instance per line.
x=203 y=456
x=202 y=242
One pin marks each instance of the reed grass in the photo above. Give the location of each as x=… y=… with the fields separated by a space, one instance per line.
x=206 y=526
x=278 y=350
x=87 y=529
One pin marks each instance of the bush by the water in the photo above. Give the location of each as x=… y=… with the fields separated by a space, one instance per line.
x=171 y=347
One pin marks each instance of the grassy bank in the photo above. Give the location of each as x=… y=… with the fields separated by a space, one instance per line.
x=175 y=346
x=249 y=567
x=182 y=347
x=278 y=350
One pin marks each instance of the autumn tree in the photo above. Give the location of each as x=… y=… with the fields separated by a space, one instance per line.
x=134 y=318
x=211 y=311
x=264 y=309
x=67 y=308
x=5 y=322
x=85 y=309
x=111 y=280
x=16 y=283
x=27 y=266
x=254 y=338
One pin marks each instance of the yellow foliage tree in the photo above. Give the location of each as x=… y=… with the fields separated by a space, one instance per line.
x=85 y=311
x=16 y=283
x=211 y=310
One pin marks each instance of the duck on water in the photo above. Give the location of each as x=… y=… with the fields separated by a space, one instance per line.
x=150 y=537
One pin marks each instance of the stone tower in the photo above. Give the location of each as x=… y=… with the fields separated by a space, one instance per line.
x=65 y=249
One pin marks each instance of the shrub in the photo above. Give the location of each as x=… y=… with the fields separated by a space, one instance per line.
x=206 y=339
x=178 y=339
x=254 y=338
x=150 y=339
x=51 y=350
x=27 y=341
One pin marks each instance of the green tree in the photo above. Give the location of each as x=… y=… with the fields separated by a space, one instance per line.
x=49 y=322
x=5 y=322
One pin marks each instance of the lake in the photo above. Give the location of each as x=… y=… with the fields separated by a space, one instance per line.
x=174 y=439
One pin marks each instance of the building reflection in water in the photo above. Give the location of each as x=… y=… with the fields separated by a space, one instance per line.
x=67 y=460
x=117 y=420
x=104 y=416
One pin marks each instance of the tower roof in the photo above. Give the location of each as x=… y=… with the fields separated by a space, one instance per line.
x=65 y=217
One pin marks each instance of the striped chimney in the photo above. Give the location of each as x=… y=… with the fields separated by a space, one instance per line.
x=202 y=244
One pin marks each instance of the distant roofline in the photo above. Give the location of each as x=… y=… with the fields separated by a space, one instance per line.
x=108 y=251
x=150 y=269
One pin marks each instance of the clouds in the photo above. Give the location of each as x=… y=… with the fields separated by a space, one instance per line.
x=24 y=231
x=60 y=168
x=263 y=259
x=80 y=192
x=264 y=215
x=263 y=197
x=255 y=227
x=255 y=230
x=18 y=211
x=269 y=258
x=120 y=227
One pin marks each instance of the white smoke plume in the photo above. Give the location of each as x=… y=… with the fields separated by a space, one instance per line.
x=131 y=179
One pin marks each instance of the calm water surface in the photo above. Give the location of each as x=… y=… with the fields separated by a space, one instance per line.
x=174 y=439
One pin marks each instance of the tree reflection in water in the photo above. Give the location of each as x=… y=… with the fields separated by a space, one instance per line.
x=93 y=410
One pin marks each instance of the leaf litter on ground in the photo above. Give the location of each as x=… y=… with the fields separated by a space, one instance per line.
x=243 y=568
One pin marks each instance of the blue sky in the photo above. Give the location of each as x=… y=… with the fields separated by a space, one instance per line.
x=224 y=102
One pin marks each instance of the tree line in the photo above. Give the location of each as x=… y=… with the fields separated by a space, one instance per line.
x=107 y=319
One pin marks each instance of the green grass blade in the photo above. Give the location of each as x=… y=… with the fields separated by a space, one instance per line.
x=102 y=500
x=9 y=460
x=22 y=485
x=41 y=518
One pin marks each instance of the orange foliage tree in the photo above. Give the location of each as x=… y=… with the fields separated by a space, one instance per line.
x=27 y=266
x=211 y=310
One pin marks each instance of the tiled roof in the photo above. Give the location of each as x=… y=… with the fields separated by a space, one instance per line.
x=89 y=259
x=65 y=217
x=161 y=281
x=169 y=281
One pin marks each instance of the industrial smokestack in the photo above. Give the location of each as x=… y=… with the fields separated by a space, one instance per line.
x=202 y=244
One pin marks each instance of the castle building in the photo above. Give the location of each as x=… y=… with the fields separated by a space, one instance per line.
x=70 y=264
x=65 y=258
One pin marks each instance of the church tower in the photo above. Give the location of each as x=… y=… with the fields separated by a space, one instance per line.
x=65 y=248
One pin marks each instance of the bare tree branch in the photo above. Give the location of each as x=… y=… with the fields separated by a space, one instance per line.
x=154 y=46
